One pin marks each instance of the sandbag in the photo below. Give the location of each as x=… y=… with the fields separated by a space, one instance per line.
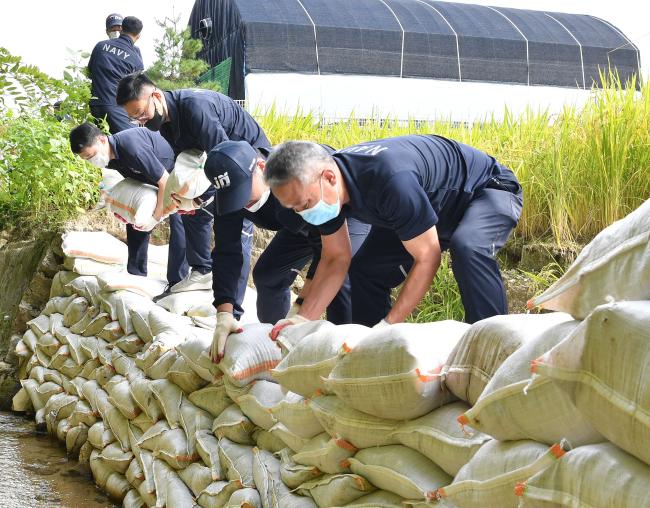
x=602 y=368
x=311 y=360
x=117 y=459
x=119 y=395
x=294 y=413
x=265 y=440
x=83 y=413
x=39 y=325
x=144 y=397
x=512 y=407
x=171 y=492
x=168 y=444
x=294 y=474
x=130 y=344
x=486 y=345
x=97 y=245
x=250 y=355
x=144 y=286
x=377 y=499
x=274 y=493
x=111 y=332
x=169 y=397
x=438 y=437
x=395 y=371
x=21 y=402
x=161 y=366
x=234 y=425
x=181 y=374
x=596 y=475
x=490 y=478
x=290 y=336
x=256 y=404
x=360 y=429
x=140 y=323
x=293 y=441
x=196 y=476
x=217 y=494
x=193 y=421
x=100 y=435
x=328 y=454
x=615 y=265
x=134 y=473
x=75 y=438
x=245 y=498
x=75 y=311
x=187 y=179
x=196 y=352
x=100 y=470
x=334 y=490
x=212 y=398
x=133 y=202
x=180 y=303
x=60 y=283
x=236 y=461
x=132 y=499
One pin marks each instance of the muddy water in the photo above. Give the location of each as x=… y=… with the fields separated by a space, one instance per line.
x=35 y=472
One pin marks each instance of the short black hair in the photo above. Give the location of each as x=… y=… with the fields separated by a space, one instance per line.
x=131 y=25
x=130 y=87
x=83 y=136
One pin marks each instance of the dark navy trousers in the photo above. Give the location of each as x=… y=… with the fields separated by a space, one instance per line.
x=382 y=263
x=277 y=267
x=115 y=115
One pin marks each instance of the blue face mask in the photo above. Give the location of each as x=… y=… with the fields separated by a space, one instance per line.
x=321 y=212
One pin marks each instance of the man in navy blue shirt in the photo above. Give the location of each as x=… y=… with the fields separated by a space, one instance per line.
x=199 y=119
x=422 y=195
x=238 y=169
x=144 y=156
x=109 y=62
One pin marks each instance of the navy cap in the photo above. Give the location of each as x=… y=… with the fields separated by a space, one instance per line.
x=229 y=167
x=113 y=20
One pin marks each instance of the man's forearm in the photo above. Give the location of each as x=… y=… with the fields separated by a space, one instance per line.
x=327 y=281
x=417 y=284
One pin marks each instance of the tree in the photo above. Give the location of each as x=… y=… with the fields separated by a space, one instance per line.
x=177 y=65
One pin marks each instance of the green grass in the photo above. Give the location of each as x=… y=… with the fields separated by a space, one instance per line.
x=580 y=170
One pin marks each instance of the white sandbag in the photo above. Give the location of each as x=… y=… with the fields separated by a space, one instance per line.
x=117 y=459
x=234 y=391
x=290 y=336
x=133 y=202
x=511 y=407
x=83 y=413
x=336 y=490
x=134 y=473
x=208 y=448
x=250 y=355
x=180 y=303
x=395 y=371
x=360 y=429
x=60 y=405
x=84 y=456
x=217 y=494
x=48 y=344
x=97 y=245
x=57 y=304
x=117 y=486
x=194 y=420
x=293 y=441
x=265 y=440
x=171 y=492
x=196 y=351
x=100 y=435
x=144 y=397
x=161 y=321
x=234 y=425
x=438 y=437
x=111 y=332
x=490 y=478
x=181 y=374
x=60 y=283
x=168 y=444
x=58 y=428
x=133 y=500
x=161 y=366
x=245 y=498
x=602 y=368
x=400 y=470
x=294 y=413
x=274 y=493
x=187 y=179
x=100 y=470
x=89 y=267
x=486 y=345
x=311 y=360
x=21 y=403
x=75 y=311
x=140 y=323
x=149 y=498
x=257 y=403
x=196 y=476
x=39 y=325
x=596 y=475
x=142 y=422
x=169 y=397
x=206 y=323
x=294 y=474
x=118 y=425
x=203 y=309
x=377 y=499
x=98 y=323
x=29 y=340
x=212 y=398
x=327 y=454
x=615 y=265
x=119 y=395
x=144 y=286
x=236 y=461
x=130 y=344
x=89 y=393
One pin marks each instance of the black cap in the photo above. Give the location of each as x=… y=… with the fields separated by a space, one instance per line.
x=229 y=166
x=113 y=20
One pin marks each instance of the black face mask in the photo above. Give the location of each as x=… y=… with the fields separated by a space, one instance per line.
x=155 y=122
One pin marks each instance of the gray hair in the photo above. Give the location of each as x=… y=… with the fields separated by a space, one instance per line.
x=295 y=159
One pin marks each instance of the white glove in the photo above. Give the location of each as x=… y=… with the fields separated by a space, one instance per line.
x=226 y=324
x=383 y=323
x=293 y=310
x=283 y=323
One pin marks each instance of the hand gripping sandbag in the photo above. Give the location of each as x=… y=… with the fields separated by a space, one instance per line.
x=615 y=265
x=186 y=181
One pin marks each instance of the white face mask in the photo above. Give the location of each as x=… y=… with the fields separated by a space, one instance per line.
x=260 y=202
x=99 y=160
x=113 y=35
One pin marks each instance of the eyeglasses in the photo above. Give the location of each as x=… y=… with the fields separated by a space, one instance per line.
x=143 y=116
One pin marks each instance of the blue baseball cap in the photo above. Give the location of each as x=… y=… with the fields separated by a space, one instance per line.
x=113 y=20
x=229 y=167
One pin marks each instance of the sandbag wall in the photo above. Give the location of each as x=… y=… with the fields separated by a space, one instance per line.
x=520 y=410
